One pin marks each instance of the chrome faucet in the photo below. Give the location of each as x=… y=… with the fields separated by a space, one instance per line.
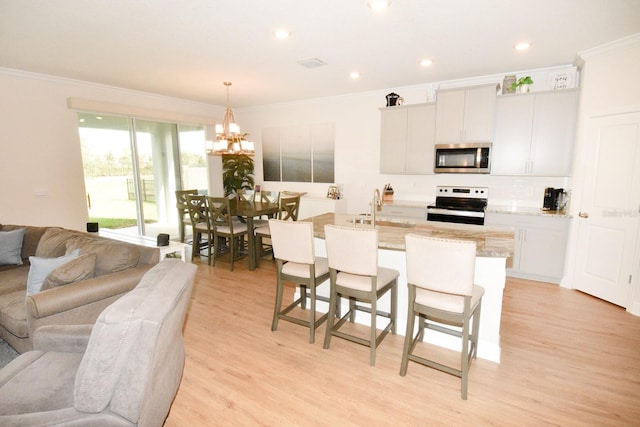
x=376 y=204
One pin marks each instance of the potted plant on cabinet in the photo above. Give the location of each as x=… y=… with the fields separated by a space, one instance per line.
x=522 y=83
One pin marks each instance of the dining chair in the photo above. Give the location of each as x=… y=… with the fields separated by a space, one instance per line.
x=225 y=229
x=354 y=274
x=296 y=262
x=183 y=211
x=267 y=197
x=200 y=224
x=289 y=206
x=247 y=195
x=444 y=298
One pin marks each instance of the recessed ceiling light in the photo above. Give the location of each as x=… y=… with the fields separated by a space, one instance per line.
x=282 y=34
x=426 y=62
x=379 y=5
x=354 y=75
x=522 y=46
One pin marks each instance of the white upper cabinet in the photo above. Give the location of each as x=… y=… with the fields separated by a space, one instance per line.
x=465 y=115
x=407 y=139
x=535 y=134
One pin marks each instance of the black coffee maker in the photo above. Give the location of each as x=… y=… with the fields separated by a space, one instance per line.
x=553 y=199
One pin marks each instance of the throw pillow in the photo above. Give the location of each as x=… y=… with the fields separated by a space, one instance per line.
x=53 y=242
x=41 y=267
x=11 y=246
x=111 y=256
x=81 y=268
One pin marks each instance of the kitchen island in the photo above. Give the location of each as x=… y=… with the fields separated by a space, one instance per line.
x=495 y=247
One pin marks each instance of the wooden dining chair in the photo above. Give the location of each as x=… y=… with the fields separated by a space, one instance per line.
x=183 y=211
x=247 y=195
x=225 y=229
x=289 y=206
x=200 y=225
x=267 y=197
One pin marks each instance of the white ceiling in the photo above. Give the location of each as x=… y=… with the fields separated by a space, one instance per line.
x=187 y=48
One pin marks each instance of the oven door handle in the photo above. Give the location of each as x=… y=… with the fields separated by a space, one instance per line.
x=439 y=211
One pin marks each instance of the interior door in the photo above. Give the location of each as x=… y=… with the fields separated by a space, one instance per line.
x=610 y=210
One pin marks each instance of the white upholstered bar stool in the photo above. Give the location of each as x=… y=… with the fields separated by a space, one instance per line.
x=443 y=297
x=355 y=274
x=296 y=262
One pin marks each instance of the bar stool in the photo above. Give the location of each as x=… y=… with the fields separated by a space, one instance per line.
x=355 y=274
x=296 y=262
x=443 y=297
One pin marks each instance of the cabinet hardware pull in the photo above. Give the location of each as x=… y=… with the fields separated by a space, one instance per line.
x=583 y=215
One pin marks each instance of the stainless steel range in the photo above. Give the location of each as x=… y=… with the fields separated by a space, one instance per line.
x=465 y=205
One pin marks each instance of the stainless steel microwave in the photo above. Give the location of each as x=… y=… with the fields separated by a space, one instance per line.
x=463 y=158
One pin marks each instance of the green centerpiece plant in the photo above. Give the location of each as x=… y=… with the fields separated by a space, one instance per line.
x=237 y=173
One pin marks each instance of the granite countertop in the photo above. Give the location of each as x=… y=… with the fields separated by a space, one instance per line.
x=406 y=203
x=492 y=242
x=520 y=210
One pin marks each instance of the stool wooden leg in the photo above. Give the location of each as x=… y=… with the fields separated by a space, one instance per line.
x=408 y=337
x=333 y=298
x=312 y=314
x=374 y=329
x=276 y=310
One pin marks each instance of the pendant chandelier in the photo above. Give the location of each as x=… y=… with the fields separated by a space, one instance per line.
x=229 y=140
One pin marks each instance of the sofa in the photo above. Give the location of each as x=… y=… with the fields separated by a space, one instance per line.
x=124 y=370
x=107 y=270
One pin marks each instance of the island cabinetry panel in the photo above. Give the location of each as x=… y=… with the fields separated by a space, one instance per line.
x=535 y=134
x=465 y=115
x=540 y=244
x=407 y=139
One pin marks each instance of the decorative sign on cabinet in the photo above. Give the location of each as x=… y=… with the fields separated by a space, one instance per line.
x=406 y=139
x=535 y=133
x=465 y=115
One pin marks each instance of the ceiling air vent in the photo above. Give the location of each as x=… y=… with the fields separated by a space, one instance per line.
x=311 y=63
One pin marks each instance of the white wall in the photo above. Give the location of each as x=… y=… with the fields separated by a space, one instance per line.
x=609 y=86
x=40 y=160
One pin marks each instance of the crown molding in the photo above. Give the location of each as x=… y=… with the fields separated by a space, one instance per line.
x=623 y=43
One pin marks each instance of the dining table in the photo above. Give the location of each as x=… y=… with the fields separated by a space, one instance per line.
x=250 y=210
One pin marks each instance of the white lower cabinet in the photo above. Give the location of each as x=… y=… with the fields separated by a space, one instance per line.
x=540 y=244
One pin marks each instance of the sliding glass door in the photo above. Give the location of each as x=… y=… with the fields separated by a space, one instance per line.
x=133 y=168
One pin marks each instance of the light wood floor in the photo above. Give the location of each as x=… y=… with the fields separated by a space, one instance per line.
x=567 y=359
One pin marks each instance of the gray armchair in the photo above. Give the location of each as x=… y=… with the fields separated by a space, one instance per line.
x=123 y=371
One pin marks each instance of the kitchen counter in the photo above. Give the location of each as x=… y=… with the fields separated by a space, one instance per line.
x=406 y=203
x=492 y=242
x=519 y=210
x=494 y=246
